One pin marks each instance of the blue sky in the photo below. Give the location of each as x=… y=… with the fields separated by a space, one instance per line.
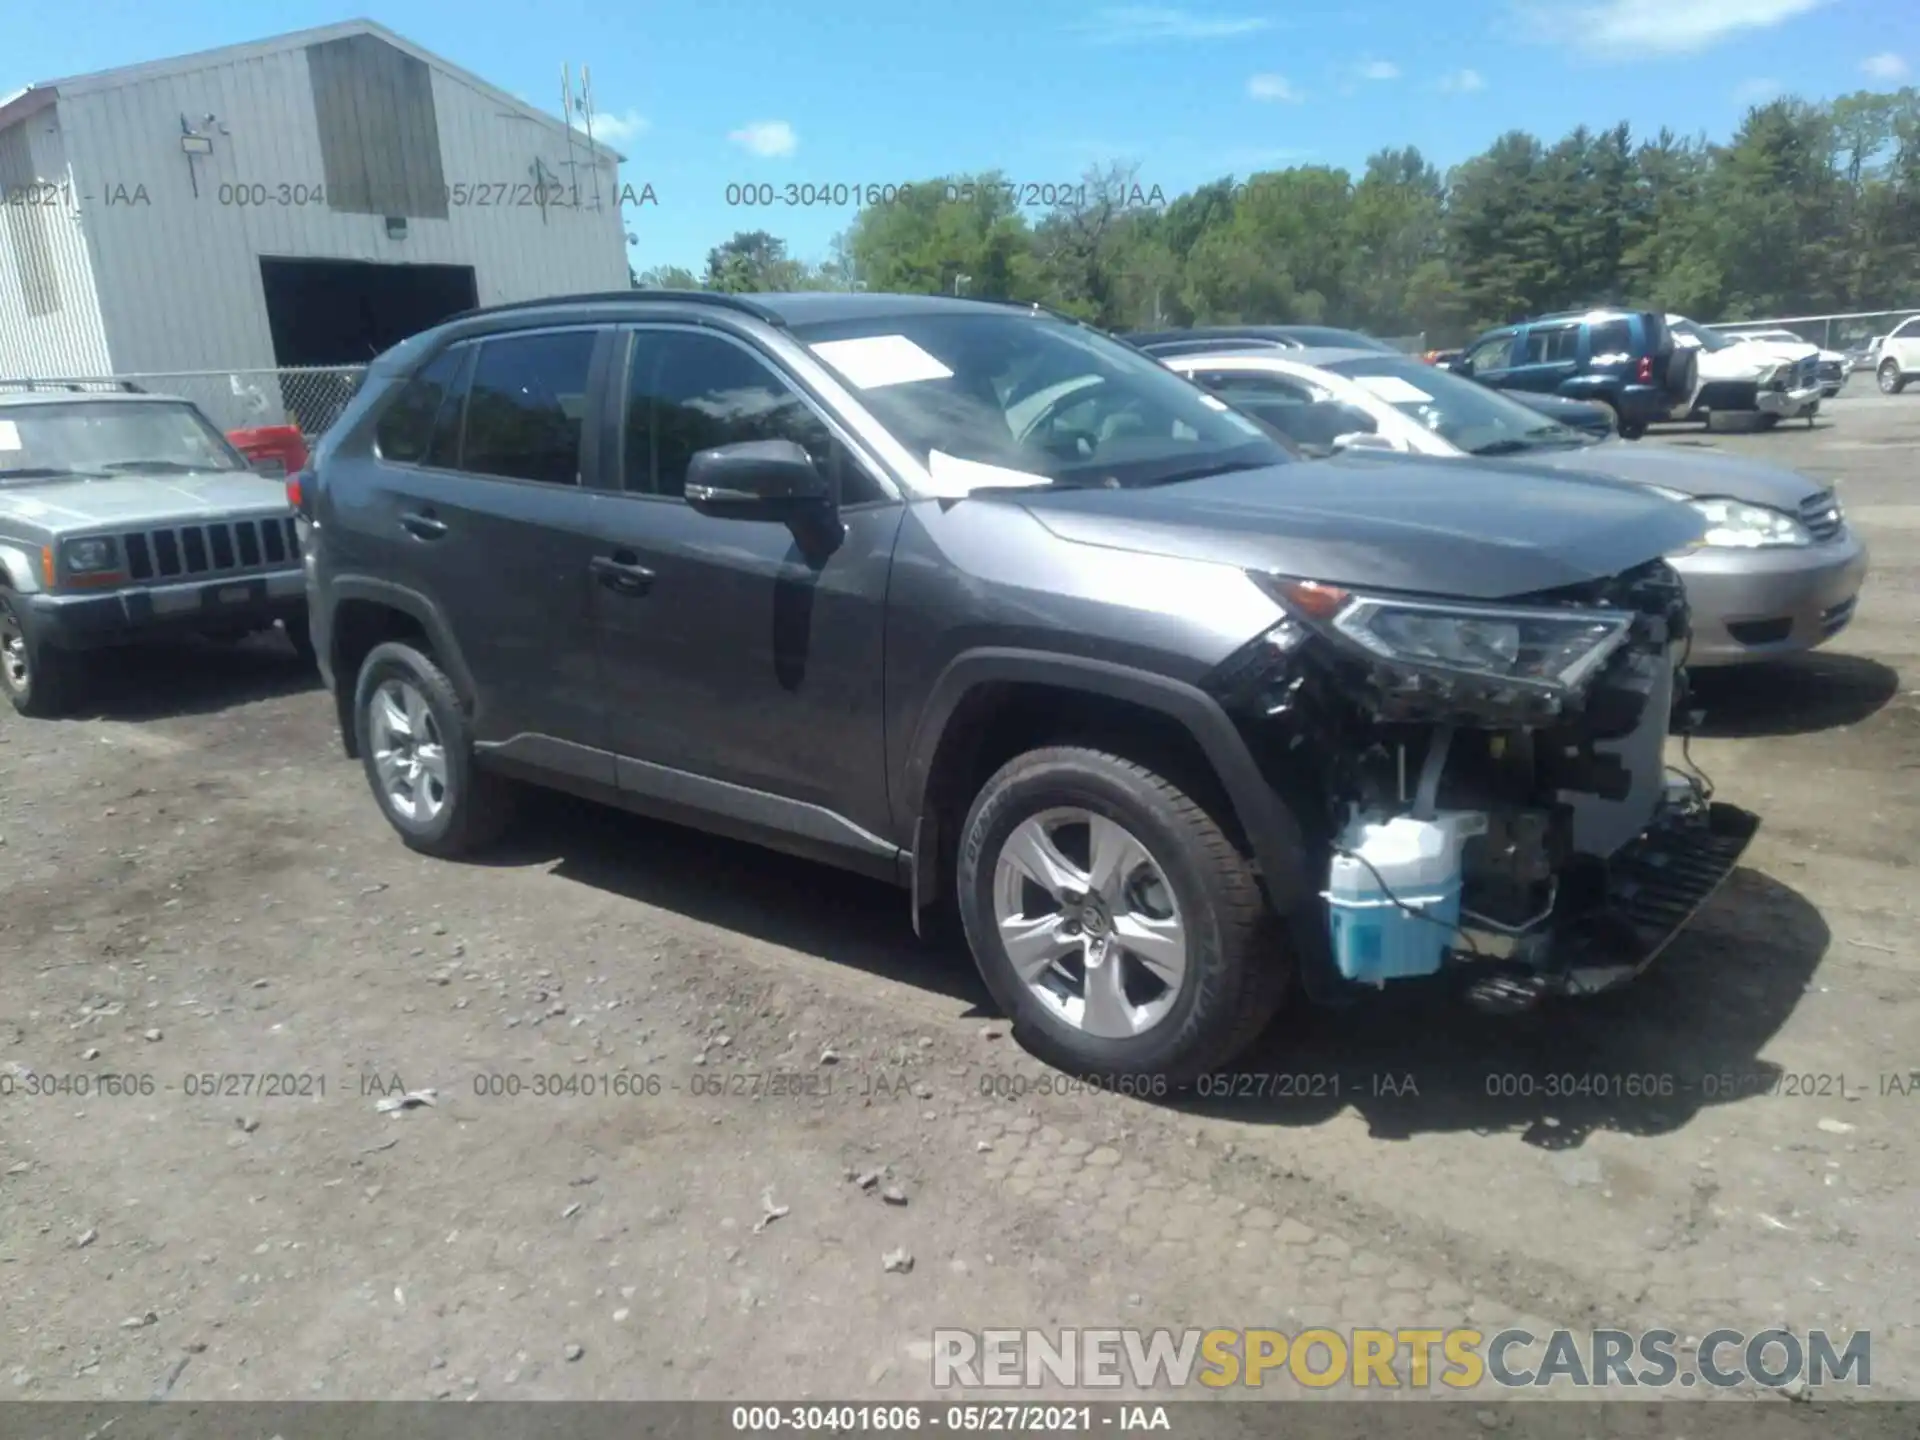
x=883 y=91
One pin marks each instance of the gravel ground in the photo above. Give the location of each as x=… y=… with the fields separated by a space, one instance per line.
x=194 y=883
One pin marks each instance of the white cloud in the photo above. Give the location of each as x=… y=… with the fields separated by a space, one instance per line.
x=1273 y=87
x=766 y=138
x=1379 y=70
x=1630 y=28
x=615 y=129
x=1145 y=24
x=1757 y=91
x=1885 y=66
x=1462 y=82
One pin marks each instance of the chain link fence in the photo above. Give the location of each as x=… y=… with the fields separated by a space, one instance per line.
x=1850 y=333
x=309 y=397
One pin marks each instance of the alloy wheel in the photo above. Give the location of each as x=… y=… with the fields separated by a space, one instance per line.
x=408 y=753
x=15 y=669
x=1089 y=922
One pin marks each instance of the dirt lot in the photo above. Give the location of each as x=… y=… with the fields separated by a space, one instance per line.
x=194 y=883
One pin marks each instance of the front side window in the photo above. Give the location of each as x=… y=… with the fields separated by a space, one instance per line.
x=110 y=437
x=1491 y=353
x=688 y=392
x=1049 y=401
x=526 y=405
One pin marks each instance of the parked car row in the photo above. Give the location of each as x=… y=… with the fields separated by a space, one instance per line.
x=1646 y=367
x=1778 y=571
x=1189 y=683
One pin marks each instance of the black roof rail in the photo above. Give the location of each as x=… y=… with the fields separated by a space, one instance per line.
x=80 y=383
x=717 y=298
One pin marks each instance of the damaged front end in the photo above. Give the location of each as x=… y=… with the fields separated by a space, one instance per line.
x=1484 y=789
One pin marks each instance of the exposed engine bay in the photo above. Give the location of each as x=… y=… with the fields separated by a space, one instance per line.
x=1520 y=826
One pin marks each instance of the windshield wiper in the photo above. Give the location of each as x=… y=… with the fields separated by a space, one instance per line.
x=1201 y=472
x=1539 y=438
x=165 y=467
x=39 y=472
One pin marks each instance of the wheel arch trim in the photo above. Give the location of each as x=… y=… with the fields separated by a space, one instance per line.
x=17 y=571
x=412 y=604
x=1278 y=845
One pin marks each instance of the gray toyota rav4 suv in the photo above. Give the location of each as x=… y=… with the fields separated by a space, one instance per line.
x=973 y=598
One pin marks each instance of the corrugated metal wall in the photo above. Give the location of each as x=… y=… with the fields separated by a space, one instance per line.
x=49 y=314
x=178 y=272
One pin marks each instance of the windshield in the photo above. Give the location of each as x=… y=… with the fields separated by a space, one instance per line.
x=1468 y=416
x=1709 y=339
x=106 y=437
x=1048 y=401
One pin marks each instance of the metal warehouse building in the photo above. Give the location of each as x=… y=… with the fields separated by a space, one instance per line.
x=306 y=200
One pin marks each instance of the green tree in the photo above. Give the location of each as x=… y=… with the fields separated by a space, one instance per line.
x=666 y=277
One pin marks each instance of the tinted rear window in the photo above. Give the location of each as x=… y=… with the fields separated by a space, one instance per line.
x=1611 y=339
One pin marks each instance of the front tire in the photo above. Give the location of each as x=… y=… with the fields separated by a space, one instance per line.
x=42 y=681
x=416 y=747
x=1892 y=382
x=1113 y=919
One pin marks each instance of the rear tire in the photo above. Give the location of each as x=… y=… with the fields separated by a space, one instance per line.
x=1080 y=995
x=42 y=681
x=416 y=747
x=1892 y=382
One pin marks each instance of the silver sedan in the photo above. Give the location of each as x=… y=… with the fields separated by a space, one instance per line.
x=1778 y=572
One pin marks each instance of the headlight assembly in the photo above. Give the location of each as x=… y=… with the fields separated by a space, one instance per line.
x=1735 y=525
x=1523 y=649
x=89 y=557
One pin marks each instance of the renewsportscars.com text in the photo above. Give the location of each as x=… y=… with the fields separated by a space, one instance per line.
x=1455 y=1358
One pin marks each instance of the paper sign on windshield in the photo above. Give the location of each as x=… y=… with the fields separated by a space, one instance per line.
x=9 y=435
x=1393 y=389
x=873 y=361
x=955 y=479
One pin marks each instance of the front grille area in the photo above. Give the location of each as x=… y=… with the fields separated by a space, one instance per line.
x=1821 y=515
x=185 y=551
x=1832 y=372
x=1805 y=371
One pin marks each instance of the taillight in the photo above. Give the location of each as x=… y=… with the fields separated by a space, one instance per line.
x=1645 y=373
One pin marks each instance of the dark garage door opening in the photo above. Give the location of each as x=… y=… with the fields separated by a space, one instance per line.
x=345 y=312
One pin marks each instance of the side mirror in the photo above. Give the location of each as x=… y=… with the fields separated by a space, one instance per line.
x=756 y=480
